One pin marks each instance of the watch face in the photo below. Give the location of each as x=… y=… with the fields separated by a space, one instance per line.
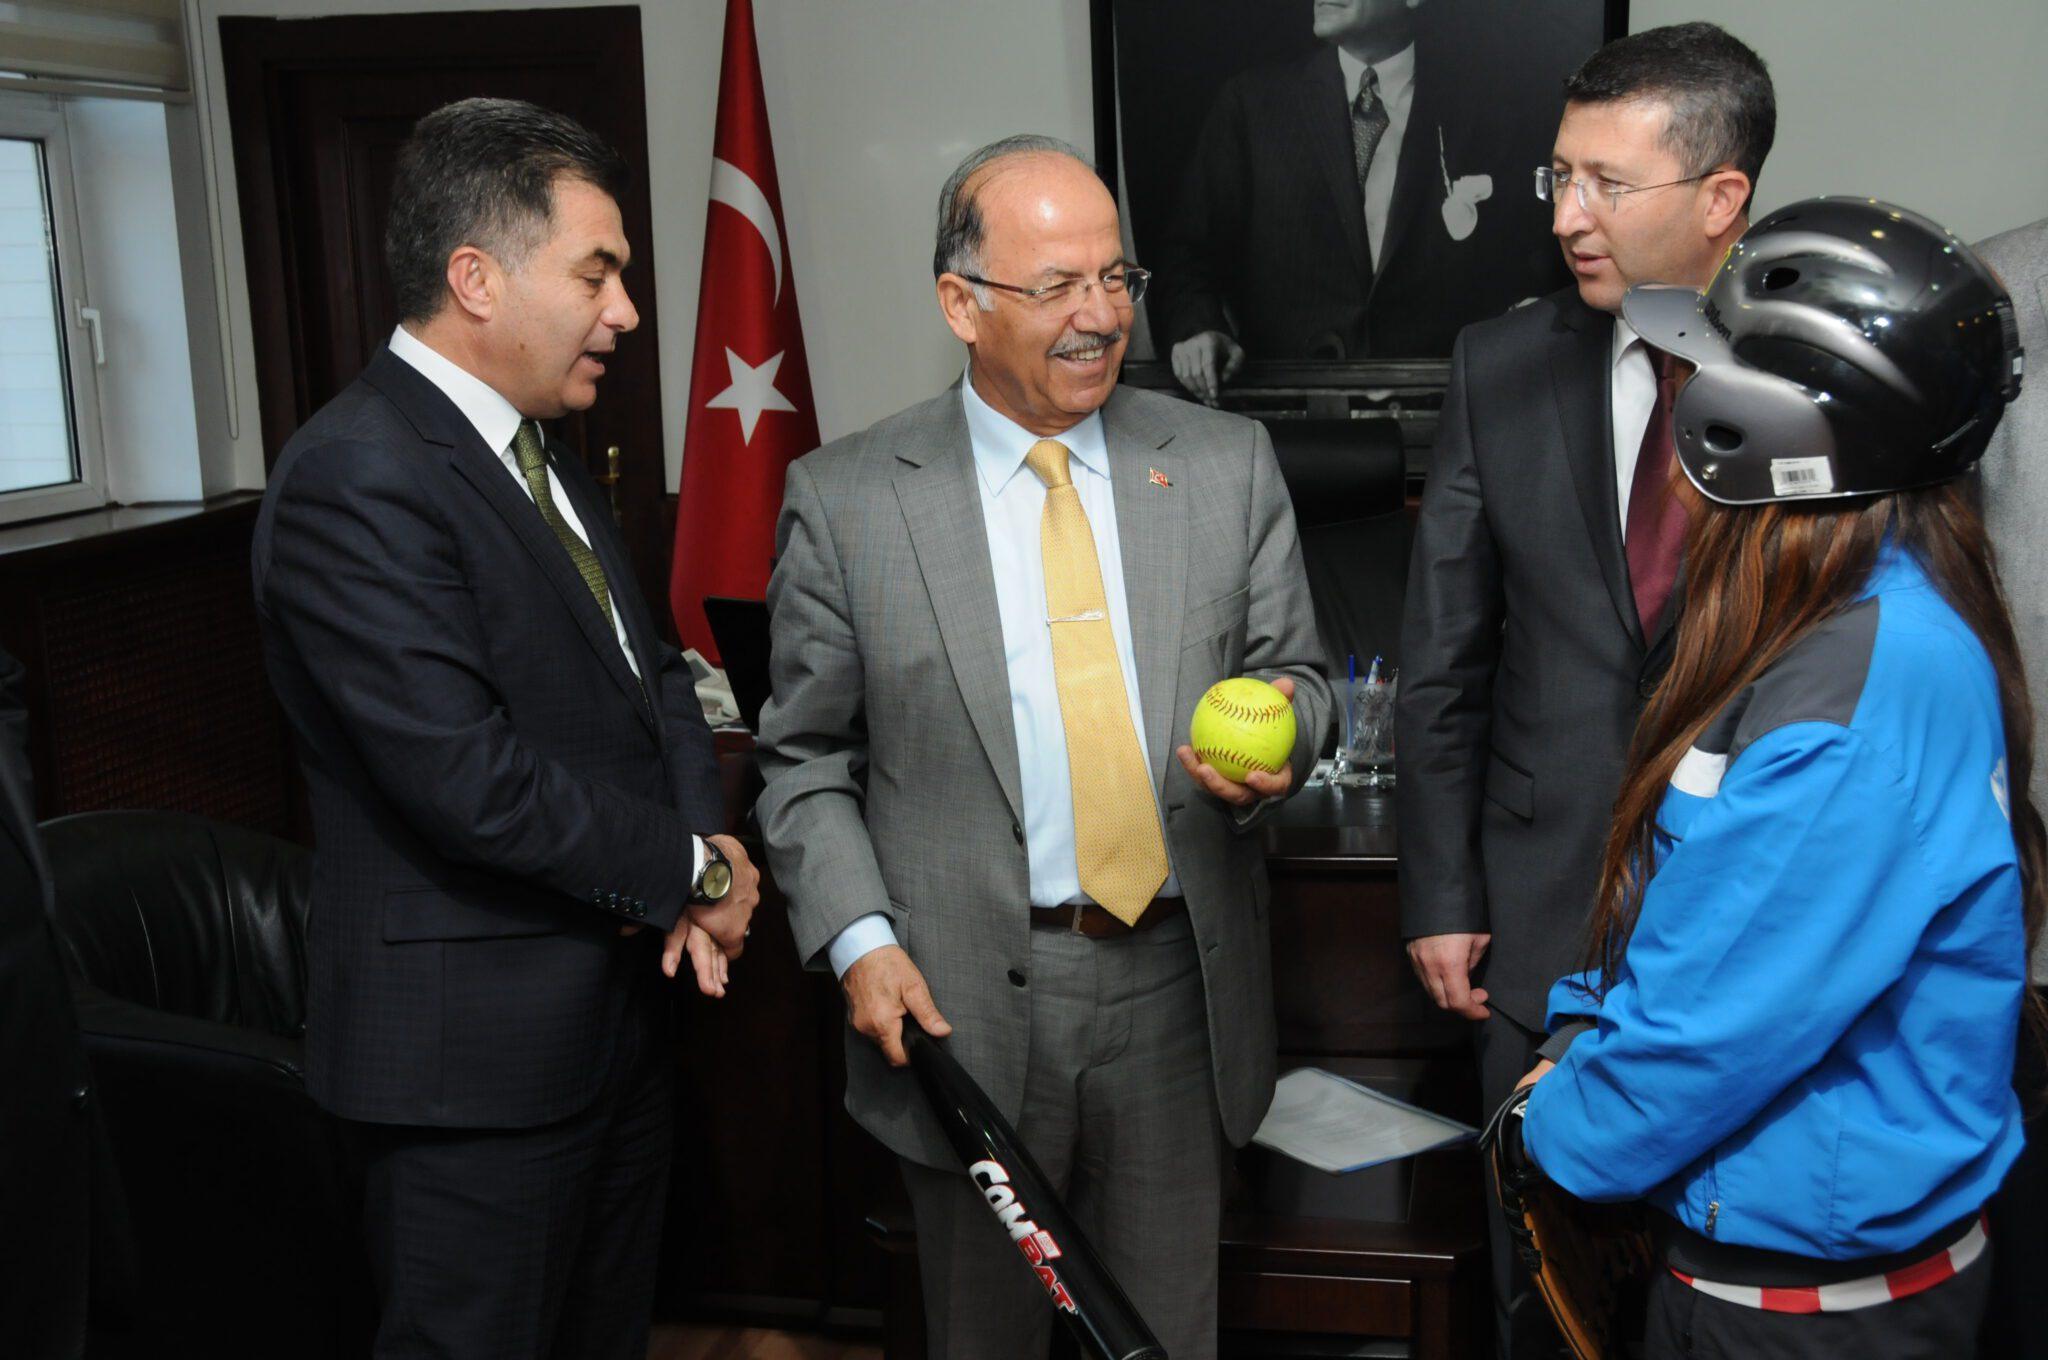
x=717 y=880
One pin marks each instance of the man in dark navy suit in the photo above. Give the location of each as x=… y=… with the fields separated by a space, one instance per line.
x=1364 y=201
x=511 y=779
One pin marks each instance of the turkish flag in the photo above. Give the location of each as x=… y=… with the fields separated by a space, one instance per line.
x=750 y=385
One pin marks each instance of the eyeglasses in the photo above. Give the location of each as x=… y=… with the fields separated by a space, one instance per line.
x=1550 y=185
x=1069 y=294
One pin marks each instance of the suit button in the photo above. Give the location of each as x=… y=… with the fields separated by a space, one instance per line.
x=81 y=1095
x=1646 y=687
x=1017 y=833
x=1016 y=978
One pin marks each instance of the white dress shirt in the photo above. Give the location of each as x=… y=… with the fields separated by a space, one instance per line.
x=1634 y=396
x=1397 y=94
x=496 y=420
x=1012 y=504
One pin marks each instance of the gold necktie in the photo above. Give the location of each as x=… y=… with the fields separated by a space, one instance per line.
x=1117 y=843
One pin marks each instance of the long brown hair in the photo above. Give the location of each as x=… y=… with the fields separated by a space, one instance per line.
x=1760 y=578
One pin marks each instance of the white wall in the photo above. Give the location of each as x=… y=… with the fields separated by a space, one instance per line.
x=871 y=104
x=1942 y=108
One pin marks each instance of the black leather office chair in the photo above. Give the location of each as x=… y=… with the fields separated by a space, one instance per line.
x=1348 y=481
x=185 y=939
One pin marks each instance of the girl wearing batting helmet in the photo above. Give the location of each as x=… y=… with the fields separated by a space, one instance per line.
x=1795 y=1037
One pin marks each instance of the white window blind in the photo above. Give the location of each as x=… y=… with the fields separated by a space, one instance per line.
x=135 y=43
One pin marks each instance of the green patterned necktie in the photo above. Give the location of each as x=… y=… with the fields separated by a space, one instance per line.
x=533 y=463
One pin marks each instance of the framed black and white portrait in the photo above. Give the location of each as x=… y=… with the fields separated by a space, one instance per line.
x=1338 y=179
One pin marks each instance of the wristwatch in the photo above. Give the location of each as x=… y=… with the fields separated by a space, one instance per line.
x=714 y=880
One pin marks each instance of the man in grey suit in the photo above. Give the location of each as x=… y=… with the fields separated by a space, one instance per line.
x=993 y=614
x=1540 y=593
x=2015 y=490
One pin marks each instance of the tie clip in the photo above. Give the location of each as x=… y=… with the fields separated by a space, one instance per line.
x=1085 y=616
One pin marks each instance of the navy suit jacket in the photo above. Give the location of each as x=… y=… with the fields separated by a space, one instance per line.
x=1269 y=240
x=493 y=791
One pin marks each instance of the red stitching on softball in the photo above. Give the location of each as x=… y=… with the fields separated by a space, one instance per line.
x=1244 y=712
x=1209 y=756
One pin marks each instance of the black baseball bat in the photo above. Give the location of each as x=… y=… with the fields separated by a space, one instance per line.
x=1076 y=1282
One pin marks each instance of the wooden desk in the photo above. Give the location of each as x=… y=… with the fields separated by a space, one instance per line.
x=1393 y=1253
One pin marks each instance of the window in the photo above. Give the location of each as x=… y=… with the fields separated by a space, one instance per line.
x=50 y=451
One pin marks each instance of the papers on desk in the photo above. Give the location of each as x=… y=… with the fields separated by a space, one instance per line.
x=1337 y=1125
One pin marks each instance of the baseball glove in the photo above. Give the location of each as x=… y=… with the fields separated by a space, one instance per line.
x=1591 y=1263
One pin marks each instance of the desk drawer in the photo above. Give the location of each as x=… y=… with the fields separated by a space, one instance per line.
x=1316 y=1303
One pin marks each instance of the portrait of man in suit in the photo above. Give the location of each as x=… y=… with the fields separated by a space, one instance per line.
x=515 y=804
x=993 y=615
x=1547 y=558
x=1363 y=199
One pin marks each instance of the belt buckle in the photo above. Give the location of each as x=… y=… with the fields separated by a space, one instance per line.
x=1080 y=916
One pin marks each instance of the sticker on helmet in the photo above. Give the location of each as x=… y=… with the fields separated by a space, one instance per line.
x=1802 y=477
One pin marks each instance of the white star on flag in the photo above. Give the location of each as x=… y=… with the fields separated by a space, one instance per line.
x=752 y=391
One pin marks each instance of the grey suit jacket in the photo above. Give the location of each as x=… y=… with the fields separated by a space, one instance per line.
x=891 y=758
x=2015 y=485
x=1524 y=664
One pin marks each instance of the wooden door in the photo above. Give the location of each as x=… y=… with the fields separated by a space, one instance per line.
x=319 y=108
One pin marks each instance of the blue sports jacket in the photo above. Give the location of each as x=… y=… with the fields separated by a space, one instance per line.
x=1809 y=1047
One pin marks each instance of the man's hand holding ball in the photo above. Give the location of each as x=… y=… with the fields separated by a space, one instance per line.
x=1241 y=740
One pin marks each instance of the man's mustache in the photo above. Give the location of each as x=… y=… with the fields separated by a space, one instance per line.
x=1086 y=340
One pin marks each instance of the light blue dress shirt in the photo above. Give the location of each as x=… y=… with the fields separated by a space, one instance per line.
x=1012 y=504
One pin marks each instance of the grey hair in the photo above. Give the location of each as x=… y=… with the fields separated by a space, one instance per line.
x=961 y=226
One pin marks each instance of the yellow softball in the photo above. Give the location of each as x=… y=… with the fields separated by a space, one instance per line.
x=1243 y=725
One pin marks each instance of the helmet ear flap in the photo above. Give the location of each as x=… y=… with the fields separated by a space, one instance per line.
x=1729 y=421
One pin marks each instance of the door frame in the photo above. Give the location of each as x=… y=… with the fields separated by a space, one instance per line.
x=260 y=56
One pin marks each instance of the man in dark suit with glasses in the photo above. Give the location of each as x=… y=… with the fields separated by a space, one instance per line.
x=1541 y=590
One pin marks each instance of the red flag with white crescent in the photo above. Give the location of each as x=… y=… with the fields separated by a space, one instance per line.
x=751 y=411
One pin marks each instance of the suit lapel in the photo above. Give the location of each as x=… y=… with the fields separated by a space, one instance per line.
x=1326 y=114
x=1582 y=376
x=482 y=470
x=596 y=515
x=1151 y=526
x=942 y=511
x=438 y=421
x=1418 y=175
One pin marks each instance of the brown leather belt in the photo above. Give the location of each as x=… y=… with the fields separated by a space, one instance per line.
x=1086 y=918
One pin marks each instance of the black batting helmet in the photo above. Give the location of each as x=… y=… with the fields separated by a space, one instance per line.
x=1846 y=348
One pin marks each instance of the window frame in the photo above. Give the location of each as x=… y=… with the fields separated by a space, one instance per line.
x=40 y=119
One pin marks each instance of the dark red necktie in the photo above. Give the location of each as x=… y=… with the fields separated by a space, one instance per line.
x=1656 y=517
